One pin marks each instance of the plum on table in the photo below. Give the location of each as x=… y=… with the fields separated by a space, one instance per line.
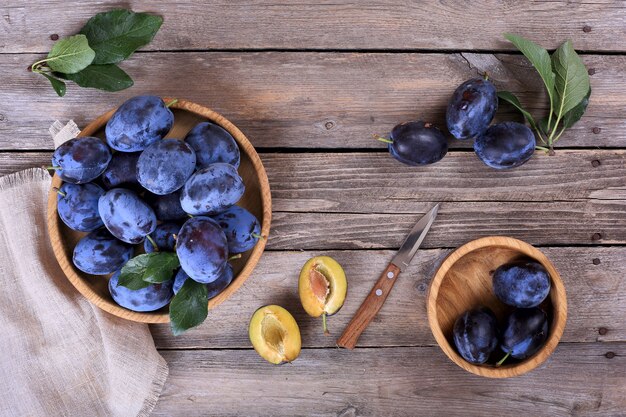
x=213 y=143
x=212 y=190
x=471 y=108
x=165 y=165
x=202 y=249
x=505 y=145
x=137 y=123
x=150 y=298
x=100 y=253
x=241 y=227
x=475 y=335
x=417 y=143
x=127 y=216
x=77 y=205
x=81 y=160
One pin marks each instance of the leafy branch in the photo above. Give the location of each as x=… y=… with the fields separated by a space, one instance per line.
x=88 y=59
x=566 y=81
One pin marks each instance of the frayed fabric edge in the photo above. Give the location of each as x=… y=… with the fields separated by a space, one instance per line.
x=23 y=177
x=158 y=382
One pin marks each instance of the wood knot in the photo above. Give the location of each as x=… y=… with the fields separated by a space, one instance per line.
x=596 y=236
x=596 y=130
x=329 y=125
x=591 y=71
x=610 y=355
x=596 y=261
x=595 y=163
x=586 y=28
x=54 y=37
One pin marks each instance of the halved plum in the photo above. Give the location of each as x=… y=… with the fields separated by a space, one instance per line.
x=275 y=335
x=322 y=287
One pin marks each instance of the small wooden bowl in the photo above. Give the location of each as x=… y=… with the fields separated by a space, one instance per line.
x=463 y=281
x=257 y=199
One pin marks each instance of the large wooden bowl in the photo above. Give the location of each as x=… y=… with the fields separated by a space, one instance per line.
x=256 y=199
x=463 y=281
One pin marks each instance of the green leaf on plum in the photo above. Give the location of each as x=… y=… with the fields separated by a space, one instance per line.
x=148 y=268
x=512 y=99
x=574 y=115
x=116 y=34
x=107 y=77
x=189 y=307
x=69 y=55
x=572 y=79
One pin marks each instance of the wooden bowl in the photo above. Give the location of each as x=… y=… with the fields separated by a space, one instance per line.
x=463 y=281
x=256 y=199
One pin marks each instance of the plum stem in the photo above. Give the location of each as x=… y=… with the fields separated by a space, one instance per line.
x=380 y=138
x=258 y=236
x=501 y=361
x=542 y=148
x=171 y=103
x=235 y=257
x=154 y=245
x=59 y=192
x=486 y=76
x=326 y=332
x=52 y=168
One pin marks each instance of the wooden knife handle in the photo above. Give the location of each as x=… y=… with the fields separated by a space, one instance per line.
x=373 y=302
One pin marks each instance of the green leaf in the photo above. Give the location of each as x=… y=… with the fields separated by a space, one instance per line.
x=512 y=99
x=147 y=269
x=574 y=115
x=189 y=307
x=572 y=79
x=108 y=77
x=70 y=55
x=58 y=85
x=115 y=35
x=539 y=58
x=543 y=125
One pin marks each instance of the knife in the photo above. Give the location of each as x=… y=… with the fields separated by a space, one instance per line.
x=377 y=296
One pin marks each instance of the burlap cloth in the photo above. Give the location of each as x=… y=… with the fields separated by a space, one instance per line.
x=60 y=355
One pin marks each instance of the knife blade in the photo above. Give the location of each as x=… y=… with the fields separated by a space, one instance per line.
x=377 y=296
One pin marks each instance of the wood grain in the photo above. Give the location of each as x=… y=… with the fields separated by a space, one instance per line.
x=331 y=24
x=464 y=281
x=596 y=299
x=578 y=380
x=310 y=100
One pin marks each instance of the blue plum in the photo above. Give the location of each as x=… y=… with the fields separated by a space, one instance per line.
x=165 y=166
x=521 y=284
x=212 y=189
x=122 y=171
x=525 y=332
x=99 y=253
x=213 y=143
x=202 y=249
x=417 y=143
x=475 y=335
x=166 y=207
x=214 y=288
x=81 y=160
x=77 y=205
x=241 y=227
x=164 y=237
x=150 y=298
x=505 y=145
x=471 y=108
x=137 y=123
x=127 y=216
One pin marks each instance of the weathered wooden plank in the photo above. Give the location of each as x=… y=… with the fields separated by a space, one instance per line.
x=397 y=24
x=579 y=379
x=596 y=299
x=310 y=100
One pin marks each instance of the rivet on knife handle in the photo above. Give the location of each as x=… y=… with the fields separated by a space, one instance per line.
x=370 y=307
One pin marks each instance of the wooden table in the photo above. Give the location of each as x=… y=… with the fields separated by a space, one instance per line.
x=309 y=82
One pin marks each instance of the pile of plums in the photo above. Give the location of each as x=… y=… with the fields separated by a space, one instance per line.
x=164 y=194
x=470 y=111
x=523 y=285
